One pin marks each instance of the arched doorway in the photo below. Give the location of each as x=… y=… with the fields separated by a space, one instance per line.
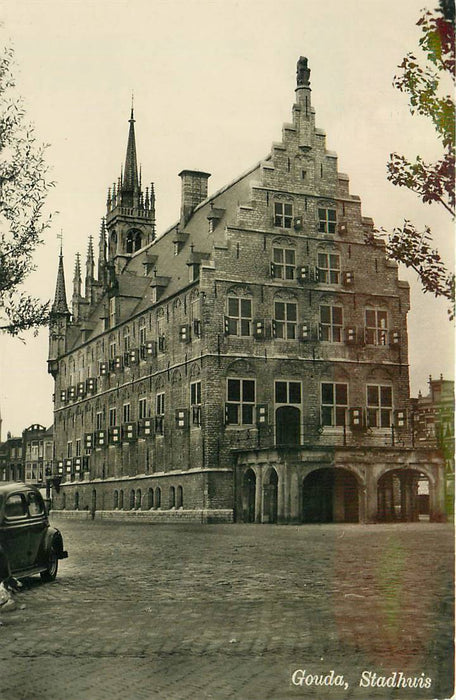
x=248 y=496
x=270 y=498
x=403 y=495
x=288 y=425
x=330 y=495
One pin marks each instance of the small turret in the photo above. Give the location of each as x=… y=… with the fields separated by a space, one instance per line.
x=90 y=267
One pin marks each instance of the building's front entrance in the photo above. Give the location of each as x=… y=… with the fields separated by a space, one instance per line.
x=330 y=495
x=288 y=425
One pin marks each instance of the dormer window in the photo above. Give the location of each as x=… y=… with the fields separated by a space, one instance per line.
x=194 y=271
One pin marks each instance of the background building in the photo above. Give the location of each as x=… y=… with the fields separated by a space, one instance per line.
x=433 y=426
x=250 y=363
x=11 y=459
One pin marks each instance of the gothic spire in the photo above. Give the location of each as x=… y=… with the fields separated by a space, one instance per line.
x=77 y=281
x=102 y=253
x=60 y=305
x=130 y=179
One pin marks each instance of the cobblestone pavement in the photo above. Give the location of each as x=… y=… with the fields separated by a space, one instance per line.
x=190 y=612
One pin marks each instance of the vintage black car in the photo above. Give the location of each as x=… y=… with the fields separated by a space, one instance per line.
x=28 y=544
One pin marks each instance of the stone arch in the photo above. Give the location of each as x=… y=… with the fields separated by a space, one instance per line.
x=133 y=241
x=172 y=497
x=132 y=499
x=138 y=499
x=121 y=499
x=158 y=497
x=179 y=497
x=76 y=500
x=239 y=290
x=330 y=495
x=405 y=495
x=116 y=500
x=150 y=498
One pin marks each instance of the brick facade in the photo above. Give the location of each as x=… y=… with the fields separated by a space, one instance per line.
x=267 y=317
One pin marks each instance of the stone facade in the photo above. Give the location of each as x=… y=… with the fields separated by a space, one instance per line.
x=261 y=338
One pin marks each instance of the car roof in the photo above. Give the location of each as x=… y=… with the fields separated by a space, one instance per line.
x=11 y=486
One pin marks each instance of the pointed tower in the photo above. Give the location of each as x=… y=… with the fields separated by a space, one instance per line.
x=102 y=277
x=59 y=319
x=90 y=267
x=130 y=216
x=77 y=286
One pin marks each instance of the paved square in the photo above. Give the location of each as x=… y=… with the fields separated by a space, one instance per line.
x=212 y=612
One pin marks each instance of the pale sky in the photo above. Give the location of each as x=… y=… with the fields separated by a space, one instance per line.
x=213 y=83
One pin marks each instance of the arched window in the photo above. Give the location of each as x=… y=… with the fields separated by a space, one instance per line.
x=132 y=499
x=138 y=499
x=116 y=499
x=150 y=498
x=158 y=497
x=76 y=500
x=121 y=499
x=180 y=497
x=172 y=497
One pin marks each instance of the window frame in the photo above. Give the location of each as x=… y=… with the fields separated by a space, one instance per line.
x=238 y=323
x=333 y=331
x=286 y=329
x=284 y=270
x=334 y=406
x=376 y=334
x=327 y=224
x=240 y=408
x=283 y=214
x=379 y=410
x=328 y=274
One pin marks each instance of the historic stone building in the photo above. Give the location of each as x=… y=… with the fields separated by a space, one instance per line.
x=250 y=363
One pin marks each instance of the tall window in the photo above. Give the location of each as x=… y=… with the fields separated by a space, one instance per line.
x=240 y=401
x=376 y=327
x=126 y=339
x=78 y=448
x=142 y=332
x=285 y=320
x=331 y=323
x=126 y=412
x=112 y=417
x=329 y=268
x=159 y=413
x=326 y=220
x=99 y=420
x=195 y=402
x=283 y=214
x=379 y=406
x=112 y=312
x=239 y=316
x=69 y=449
x=284 y=260
x=142 y=408
x=334 y=402
x=112 y=350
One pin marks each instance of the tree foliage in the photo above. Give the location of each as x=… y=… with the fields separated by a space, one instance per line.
x=23 y=188
x=425 y=84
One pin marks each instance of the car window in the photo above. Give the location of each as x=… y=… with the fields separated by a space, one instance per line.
x=15 y=506
x=35 y=503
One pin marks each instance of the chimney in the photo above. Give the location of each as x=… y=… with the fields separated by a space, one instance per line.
x=194 y=191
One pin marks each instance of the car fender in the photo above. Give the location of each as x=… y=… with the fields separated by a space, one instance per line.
x=54 y=538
